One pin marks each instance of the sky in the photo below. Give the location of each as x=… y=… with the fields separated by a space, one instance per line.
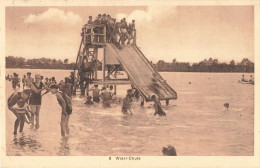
x=186 y=33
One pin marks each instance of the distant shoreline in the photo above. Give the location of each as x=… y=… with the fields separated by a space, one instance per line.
x=207 y=65
x=158 y=71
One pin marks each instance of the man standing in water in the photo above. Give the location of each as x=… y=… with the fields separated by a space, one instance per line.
x=127 y=103
x=28 y=81
x=157 y=106
x=106 y=97
x=65 y=103
x=36 y=99
x=95 y=93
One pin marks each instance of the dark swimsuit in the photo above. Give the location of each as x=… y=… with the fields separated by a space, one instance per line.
x=36 y=98
x=68 y=106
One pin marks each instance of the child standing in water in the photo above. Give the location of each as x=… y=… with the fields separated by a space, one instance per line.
x=157 y=107
x=22 y=115
x=65 y=103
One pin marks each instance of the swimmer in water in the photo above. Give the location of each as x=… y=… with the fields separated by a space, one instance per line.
x=157 y=107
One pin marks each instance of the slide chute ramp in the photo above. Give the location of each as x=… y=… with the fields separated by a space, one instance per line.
x=141 y=72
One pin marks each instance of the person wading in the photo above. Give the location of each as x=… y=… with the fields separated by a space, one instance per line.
x=36 y=99
x=65 y=103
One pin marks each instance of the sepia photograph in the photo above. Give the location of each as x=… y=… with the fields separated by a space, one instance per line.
x=127 y=82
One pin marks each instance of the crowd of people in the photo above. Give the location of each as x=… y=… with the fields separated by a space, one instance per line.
x=117 y=32
x=26 y=104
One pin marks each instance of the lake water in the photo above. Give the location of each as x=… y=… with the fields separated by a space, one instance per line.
x=197 y=123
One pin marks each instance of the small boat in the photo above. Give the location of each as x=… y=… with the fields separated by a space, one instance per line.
x=246 y=82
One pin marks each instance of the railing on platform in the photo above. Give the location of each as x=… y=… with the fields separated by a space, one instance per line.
x=94 y=34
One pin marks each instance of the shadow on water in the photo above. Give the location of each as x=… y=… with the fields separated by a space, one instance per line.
x=26 y=144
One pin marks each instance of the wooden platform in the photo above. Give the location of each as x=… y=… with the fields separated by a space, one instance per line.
x=112 y=82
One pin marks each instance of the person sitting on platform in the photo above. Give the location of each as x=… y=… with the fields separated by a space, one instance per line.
x=90 y=21
x=123 y=30
x=131 y=29
x=104 y=19
x=97 y=29
x=89 y=101
x=109 y=28
x=88 y=31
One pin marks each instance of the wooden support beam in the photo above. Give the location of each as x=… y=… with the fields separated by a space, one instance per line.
x=113 y=70
x=134 y=40
x=96 y=65
x=103 y=65
x=115 y=85
x=112 y=82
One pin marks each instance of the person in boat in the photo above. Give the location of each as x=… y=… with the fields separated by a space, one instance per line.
x=127 y=102
x=157 y=107
x=106 y=97
x=89 y=101
x=36 y=99
x=251 y=78
x=65 y=103
x=12 y=101
x=243 y=78
x=28 y=81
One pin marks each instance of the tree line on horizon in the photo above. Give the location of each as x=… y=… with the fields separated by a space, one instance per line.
x=207 y=65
